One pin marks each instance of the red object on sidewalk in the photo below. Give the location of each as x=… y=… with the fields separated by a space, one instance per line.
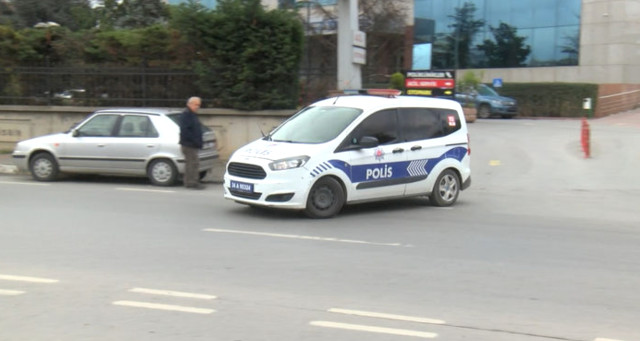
x=586 y=138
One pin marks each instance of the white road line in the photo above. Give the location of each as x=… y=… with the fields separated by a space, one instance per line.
x=131 y=189
x=27 y=279
x=372 y=329
x=604 y=339
x=172 y=293
x=10 y=292
x=164 y=307
x=386 y=316
x=23 y=183
x=294 y=236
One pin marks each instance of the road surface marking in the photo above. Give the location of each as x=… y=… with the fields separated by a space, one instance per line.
x=27 y=279
x=372 y=329
x=10 y=292
x=23 y=183
x=386 y=316
x=604 y=339
x=294 y=236
x=164 y=307
x=495 y=163
x=172 y=293
x=143 y=190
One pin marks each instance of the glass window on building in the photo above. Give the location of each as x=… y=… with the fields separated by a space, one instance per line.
x=497 y=33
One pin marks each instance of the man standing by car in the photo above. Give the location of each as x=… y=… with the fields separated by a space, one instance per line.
x=191 y=142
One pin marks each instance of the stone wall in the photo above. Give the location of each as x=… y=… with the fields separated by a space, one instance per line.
x=233 y=128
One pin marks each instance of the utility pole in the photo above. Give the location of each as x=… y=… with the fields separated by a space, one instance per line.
x=349 y=73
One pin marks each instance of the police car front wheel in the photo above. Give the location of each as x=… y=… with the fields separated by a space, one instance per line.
x=445 y=191
x=326 y=199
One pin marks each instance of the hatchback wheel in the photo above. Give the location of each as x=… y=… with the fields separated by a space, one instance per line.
x=326 y=199
x=162 y=172
x=484 y=111
x=445 y=191
x=43 y=167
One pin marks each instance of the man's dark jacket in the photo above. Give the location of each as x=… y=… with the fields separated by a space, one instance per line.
x=190 y=130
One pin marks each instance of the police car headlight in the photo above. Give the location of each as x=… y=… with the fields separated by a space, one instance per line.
x=289 y=163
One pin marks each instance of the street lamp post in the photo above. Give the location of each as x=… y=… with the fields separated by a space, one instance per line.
x=47 y=25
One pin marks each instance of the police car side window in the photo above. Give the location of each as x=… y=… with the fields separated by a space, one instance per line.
x=382 y=125
x=450 y=121
x=420 y=124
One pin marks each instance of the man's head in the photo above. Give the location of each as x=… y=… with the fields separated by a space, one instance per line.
x=194 y=103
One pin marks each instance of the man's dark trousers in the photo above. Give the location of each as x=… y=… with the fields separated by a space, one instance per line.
x=192 y=164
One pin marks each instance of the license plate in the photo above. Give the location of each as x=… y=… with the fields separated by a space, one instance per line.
x=242 y=186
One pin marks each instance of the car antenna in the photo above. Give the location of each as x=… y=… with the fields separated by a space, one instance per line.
x=260 y=128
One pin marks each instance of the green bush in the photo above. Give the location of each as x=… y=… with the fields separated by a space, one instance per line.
x=397 y=81
x=550 y=99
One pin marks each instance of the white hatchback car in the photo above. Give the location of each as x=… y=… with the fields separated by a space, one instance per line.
x=125 y=141
x=350 y=149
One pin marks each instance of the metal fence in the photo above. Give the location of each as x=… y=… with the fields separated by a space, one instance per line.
x=97 y=86
x=117 y=86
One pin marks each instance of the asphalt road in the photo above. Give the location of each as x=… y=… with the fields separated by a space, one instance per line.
x=545 y=245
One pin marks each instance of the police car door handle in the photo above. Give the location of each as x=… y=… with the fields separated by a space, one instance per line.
x=398 y=150
x=416 y=147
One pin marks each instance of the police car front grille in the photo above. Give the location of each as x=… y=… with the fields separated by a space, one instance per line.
x=245 y=170
x=254 y=195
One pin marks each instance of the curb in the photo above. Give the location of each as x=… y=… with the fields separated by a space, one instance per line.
x=7 y=169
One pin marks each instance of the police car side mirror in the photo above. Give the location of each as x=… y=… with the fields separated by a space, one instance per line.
x=368 y=142
x=75 y=133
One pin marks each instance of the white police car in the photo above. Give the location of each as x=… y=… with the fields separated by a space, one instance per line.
x=350 y=149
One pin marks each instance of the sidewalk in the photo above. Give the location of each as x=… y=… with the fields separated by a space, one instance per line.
x=6 y=165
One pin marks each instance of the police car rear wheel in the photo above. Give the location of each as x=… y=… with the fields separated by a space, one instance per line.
x=446 y=190
x=326 y=199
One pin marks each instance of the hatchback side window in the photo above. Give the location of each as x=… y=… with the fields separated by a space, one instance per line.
x=136 y=126
x=100 y=125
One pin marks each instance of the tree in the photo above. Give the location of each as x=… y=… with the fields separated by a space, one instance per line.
x=72 y=14
x=140 y=13
x=454 y=50
x=254 y=56
x=508 y=50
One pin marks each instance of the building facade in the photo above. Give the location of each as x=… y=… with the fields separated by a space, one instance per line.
x=573 y=41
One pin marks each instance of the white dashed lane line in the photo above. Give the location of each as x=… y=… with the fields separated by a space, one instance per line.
x=295 y=236
x=172 y=293
x=27 y=279
x=386 y=316
x=169 y=307
x=164 y=307
x=11 y=292
x=373 y=329
x=23 y=183
x=377 y=329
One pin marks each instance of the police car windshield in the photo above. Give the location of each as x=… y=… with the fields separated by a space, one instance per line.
x=315 y=125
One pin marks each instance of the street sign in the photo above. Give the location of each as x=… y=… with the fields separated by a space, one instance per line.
x=497 y=82
x=431 y=83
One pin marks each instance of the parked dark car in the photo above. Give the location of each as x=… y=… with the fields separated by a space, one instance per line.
x=488 y=102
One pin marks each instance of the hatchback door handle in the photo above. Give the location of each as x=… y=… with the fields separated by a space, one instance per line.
x=398 y=150
x=151 y=146
x=416 y=147
x=101 y=145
